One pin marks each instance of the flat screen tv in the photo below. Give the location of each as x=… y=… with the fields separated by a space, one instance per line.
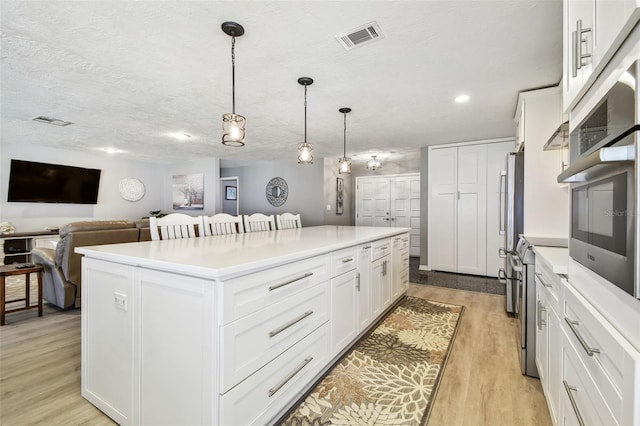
x=31 y=182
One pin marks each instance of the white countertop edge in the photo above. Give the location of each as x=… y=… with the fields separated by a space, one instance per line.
x=104 y=253
x=556 y=257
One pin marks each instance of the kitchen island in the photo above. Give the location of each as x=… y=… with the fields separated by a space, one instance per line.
x=229 y=329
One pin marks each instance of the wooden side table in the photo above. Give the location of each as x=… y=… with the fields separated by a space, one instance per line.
x=20 y=269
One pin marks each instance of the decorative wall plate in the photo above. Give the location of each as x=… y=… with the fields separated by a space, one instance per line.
x=131 y=189
x=277 y=191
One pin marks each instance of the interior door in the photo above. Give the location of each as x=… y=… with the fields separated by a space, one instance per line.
x=443 y=173
x=373 y=202
x=472 y=210
x=405 y=208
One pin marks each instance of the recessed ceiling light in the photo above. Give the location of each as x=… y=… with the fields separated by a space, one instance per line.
x=462 y=98
x=111 y=150
x=183 y=136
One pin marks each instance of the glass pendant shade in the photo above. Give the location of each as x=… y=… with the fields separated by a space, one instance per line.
x=344 y=165
x=304 y=153
x=305 y=148
x=233 y=129
x=233 y=125
x=374 y=163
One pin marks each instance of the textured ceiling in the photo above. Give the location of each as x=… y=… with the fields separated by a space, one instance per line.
x=132 y=74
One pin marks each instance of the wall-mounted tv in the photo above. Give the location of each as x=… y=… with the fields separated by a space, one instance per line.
x=31 y=182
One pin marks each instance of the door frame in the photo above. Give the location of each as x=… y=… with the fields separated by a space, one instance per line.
x=223 y=194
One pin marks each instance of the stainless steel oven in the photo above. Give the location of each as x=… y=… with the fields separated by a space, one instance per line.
x=603 y=176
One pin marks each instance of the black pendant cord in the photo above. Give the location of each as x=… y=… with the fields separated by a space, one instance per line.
x=344 y=152
x=305 y=113
x=233 y=73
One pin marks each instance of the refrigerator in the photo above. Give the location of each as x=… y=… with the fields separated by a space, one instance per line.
x=513 y=220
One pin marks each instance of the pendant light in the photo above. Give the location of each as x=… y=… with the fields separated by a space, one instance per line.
x=374 y=163
x=344 y=163
x=305 y=148
x=233 y=124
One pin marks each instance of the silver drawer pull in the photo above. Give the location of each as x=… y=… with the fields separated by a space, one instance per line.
x=366 y=247
x=290 y=376
x=539 y=276
x=273 y=287
x=572 y=325
x=347 y=260
x=289 y=324
x=570 y=390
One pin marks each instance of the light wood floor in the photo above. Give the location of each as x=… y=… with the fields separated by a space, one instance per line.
x=482 y=384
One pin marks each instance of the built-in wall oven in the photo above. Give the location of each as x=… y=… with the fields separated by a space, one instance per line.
x=603 y=176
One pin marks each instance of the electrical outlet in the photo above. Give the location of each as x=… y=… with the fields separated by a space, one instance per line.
x=120 y=301
x=328 y=207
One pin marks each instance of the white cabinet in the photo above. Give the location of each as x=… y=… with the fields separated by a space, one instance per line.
x=364 y=286
x=458 y=209
x=380 y=285
x=344 y=310
x=392 y=200
x=400 y=266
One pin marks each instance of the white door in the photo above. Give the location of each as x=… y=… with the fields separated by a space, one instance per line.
x=443 y=190
x=472 y=210
x=390 y=201
x=373 y=202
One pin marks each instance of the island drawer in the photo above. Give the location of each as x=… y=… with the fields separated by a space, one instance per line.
x=263 y=395
x=248 y=294
x=252 y=341
x=380 y=248
x=611 y=361
x=401 y=241
x=344 y=261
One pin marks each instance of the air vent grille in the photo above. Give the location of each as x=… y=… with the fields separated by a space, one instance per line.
x=359 y=36
x=54 y=121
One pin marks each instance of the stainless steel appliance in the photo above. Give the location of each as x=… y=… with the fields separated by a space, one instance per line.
x=512 y=218
x=522 y=262
x=603 y=175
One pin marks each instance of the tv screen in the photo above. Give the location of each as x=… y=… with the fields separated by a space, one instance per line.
x=31 y=182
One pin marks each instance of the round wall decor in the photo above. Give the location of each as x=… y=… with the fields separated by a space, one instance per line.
x=277 y=191
x=131 y=189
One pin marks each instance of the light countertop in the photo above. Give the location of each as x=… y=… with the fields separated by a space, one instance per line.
x=556 y=257
x=237 y=254
x=547 y=240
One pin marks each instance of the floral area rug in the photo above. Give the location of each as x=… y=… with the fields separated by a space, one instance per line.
x=390 y=377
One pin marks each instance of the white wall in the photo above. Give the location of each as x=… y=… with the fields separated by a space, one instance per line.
x=305 y=184
x=27 y=217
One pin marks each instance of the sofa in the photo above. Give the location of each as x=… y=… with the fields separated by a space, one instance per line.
x=62 y=281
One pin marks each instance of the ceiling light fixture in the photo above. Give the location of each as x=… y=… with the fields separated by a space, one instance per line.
x=462 y=98
x=374 y=163
x=344 y=163
x=233 y=124
x=183 y=136
x=111 y=150
x=305 y=148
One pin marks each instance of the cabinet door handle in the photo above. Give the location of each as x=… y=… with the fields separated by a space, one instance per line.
x=539 y=276
x=307 y=275
x=290 y=376
x=358 y=281
x=572 y=325
x=570 y=390
x=574 y=50
x=347 y=260
x=289 y=324
x=501 y=213
x=579 y=56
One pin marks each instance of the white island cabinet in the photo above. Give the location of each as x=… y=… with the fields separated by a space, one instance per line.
x=224 y=330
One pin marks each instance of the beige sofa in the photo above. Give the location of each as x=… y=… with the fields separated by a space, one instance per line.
x=62 y=282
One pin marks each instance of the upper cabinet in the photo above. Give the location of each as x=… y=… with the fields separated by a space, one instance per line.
x=592 y=31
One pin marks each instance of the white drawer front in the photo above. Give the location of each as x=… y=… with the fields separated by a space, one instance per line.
x=404 y=258
x=578 y=385
x=404 y=279
x=380 y=248
x=403 y=241
x=253 y=341
x=344 y=261
x=551 y=283
x=264 y=394
x=610 y=360
x=250 y=293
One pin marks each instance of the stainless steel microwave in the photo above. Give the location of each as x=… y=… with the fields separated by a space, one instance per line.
x=603 y=176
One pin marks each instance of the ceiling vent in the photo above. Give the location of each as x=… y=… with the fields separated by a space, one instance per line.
x=362 y=35
x=54 y=121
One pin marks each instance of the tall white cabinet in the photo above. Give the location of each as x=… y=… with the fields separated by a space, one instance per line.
x=464 y=201
x=392 y=200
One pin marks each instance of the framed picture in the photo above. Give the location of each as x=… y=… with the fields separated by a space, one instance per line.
x=231 y=193
x=188 y=192
x=339 y=195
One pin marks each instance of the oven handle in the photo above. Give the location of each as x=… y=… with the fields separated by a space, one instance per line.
x=515 y=266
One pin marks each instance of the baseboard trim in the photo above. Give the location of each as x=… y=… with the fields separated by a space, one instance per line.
x=424 y=268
